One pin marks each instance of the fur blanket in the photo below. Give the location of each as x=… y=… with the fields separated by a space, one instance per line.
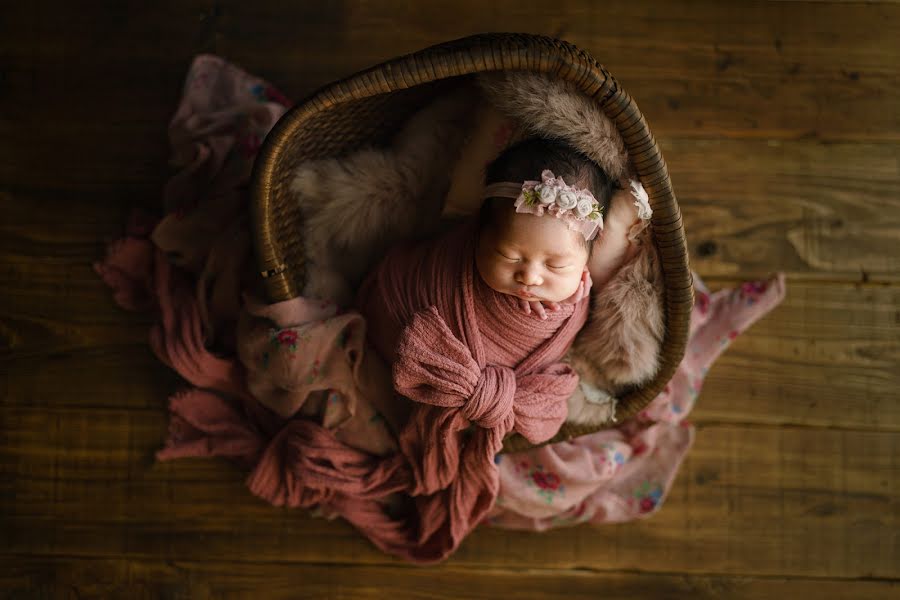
x=342 y=235
x=553 y=108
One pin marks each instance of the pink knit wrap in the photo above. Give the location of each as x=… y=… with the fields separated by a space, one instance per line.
x=465 y=354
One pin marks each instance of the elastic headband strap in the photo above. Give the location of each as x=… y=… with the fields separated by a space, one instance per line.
x=503 y=189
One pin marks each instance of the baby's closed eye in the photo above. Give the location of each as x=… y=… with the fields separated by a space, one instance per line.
x=555 y=263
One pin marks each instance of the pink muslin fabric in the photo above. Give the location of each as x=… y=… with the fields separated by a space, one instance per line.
x=465 y=354
x=292 y=393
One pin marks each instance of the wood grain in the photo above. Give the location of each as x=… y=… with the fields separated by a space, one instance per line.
x=698 y=69
x=765 y=71
x=814 y=210
x=706 y=68
x=753 y=500
x=826 y=357
x=109 y=578
x=801 y=201
x=781 y=127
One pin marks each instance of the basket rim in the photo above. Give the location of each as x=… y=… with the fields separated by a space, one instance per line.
x=492 y=52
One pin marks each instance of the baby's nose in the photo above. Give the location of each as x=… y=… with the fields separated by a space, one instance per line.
x=529 y=276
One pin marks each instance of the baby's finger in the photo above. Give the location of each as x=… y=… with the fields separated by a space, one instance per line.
x=579 y=293
x=524 y=306
x=554 y=306
x=587 y=283
x=539 y=309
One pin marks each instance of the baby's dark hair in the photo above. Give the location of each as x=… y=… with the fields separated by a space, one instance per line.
x=526 y=160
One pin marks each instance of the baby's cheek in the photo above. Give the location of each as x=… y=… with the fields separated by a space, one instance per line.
x=491 y=273
x=566 y=286
x=572 y=283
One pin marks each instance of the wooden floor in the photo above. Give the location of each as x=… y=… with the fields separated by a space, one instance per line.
x=780 y=123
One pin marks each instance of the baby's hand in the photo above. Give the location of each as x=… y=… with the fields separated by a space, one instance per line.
x=537 y=306
x=540 y=308
x=583 y=290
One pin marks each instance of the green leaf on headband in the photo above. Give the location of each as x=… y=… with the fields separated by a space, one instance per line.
x=530 y=197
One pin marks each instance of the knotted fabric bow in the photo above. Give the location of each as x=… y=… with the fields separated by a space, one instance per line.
x=476 y=369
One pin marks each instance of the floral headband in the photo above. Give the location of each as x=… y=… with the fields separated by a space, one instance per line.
x=577 y=207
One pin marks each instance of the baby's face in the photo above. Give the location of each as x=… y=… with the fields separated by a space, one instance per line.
x=531 y=257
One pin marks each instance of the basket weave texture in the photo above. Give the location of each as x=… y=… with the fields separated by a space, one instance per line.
x=368 y=107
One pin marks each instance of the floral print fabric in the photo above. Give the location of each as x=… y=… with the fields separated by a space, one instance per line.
x=624 y=473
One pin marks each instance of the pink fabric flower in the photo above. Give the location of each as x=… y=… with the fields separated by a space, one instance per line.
x=703 y=303
x=753 y=288
x=287 y=337
x=546 y=481
x=275 y=95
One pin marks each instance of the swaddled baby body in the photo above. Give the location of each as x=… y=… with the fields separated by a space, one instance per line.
x=508 y=288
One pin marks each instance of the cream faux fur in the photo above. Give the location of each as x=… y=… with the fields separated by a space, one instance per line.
x=557 y=109
x=590 y=405
x=355 y=206
x=346 y=205
x=619 y=346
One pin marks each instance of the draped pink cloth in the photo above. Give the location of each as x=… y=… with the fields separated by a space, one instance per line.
x=282 y=389
x=289 y=352
x=291 y=391
x=476 y=367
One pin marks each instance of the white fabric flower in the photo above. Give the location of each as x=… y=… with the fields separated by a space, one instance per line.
x=546 y=193
x=642 y=200
x=567 y=200
x=584 y=207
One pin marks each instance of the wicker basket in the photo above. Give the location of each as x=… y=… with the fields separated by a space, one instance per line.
x=368 y=107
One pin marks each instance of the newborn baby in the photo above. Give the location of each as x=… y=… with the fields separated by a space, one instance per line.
x=478 y=320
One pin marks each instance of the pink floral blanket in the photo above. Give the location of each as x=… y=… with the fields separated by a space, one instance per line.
x=283 y=418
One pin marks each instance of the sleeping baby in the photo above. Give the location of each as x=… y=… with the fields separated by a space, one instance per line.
x=476 y=322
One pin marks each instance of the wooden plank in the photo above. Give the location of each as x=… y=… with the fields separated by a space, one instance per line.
x=697 y=69
x=722 y=86
x=703 y=68
x=62 y=338
x=52 y=577
x=827 y=357
x=750 y=500
x=814 y=210
x=836 y=204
